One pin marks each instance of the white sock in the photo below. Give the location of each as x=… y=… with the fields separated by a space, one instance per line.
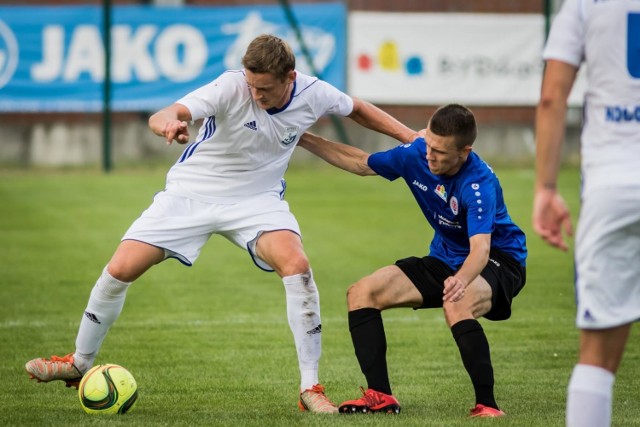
x=104 y=306
x=303 y=312
x=589 y=397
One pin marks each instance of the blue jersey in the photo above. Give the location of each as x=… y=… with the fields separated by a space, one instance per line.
x=457 y=207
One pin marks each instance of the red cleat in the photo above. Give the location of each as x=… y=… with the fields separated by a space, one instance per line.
x=371 y=401
x=481 y=411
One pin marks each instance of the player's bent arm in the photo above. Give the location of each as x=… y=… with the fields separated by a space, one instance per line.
x=171 y=123
x=454 y=286
x=347 y=157
x=372 y=117
x=480 y=245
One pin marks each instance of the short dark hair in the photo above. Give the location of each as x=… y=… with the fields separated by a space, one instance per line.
x=268 y=54
x=457 y=121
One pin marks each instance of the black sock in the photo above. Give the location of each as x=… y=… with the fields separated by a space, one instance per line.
x=476 y=357
x=370 y=344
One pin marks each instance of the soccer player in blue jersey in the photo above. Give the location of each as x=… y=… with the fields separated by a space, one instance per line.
x=476 y=263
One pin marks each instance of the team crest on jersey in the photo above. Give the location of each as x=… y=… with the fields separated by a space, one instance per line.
x=290 y=135
x=453 y=204
x=441 y=192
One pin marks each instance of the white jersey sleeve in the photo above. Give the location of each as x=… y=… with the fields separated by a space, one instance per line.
x=566 y=38
x=328 y=99
x=604 y=36
x=214 y=98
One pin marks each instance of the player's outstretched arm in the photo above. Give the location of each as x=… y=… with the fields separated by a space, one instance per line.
x=171 y=123
x=372 y=117
x=347 y=157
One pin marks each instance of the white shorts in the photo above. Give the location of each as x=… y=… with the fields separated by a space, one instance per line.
x=608 y=258
x=181 y=226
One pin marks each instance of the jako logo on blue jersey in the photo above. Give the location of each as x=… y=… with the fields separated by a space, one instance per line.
x=420 y=185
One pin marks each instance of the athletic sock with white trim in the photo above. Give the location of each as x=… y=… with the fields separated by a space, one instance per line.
x=303 y=313
x=104 y=306
x=589 y=397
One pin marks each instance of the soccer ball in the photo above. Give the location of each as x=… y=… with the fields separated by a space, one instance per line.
x=107 y=389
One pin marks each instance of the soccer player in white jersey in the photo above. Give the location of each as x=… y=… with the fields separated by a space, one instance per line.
x=605 y=36
x=229 y=181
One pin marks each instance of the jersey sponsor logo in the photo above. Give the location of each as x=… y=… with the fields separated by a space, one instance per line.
x=453 y=204
x=619 y=113
x=420 y=185
x=448 y=223
x=441 y=192
x=290 y=135
x=251 y=125
x=316 y=330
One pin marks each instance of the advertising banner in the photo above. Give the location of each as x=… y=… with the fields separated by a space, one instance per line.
x=52 y=57
x=438 y=58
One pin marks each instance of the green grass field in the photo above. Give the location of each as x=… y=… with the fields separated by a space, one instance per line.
x=210 y=344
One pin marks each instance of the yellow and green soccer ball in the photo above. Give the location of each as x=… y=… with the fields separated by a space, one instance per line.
x=107 y=389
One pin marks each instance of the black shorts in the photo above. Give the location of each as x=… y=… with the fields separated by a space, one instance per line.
x=505 y=276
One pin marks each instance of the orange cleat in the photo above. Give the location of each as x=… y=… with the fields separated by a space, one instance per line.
x=56 y=368
x=315 y=401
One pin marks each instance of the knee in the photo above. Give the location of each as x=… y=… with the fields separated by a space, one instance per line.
x=358 y=297
x=455 y=312
x=296 y=264
x=119 y=271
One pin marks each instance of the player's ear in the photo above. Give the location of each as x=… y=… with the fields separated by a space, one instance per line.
x=291 y=76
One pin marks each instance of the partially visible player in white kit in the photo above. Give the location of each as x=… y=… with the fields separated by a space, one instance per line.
x=605 y=35
x=229 y=181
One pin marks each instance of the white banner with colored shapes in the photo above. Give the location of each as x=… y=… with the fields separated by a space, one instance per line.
x=439 y=58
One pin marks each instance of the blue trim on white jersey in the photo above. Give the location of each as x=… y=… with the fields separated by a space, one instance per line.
x=210 y=129
x=314 y=82
x=284 y=188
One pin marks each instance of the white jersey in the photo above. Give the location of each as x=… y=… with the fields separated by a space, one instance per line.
x=241 y=149
x=610 y=140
